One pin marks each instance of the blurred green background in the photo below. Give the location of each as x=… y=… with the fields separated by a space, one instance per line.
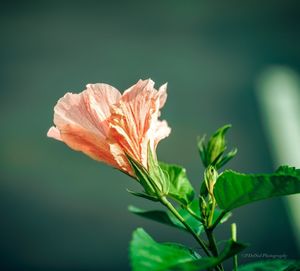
x=61 y=210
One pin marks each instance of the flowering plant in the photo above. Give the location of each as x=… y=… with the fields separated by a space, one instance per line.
x=123 y=130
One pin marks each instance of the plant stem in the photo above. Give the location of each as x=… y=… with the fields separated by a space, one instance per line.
x=211 y=239
x=173 y=210
x=212 y=242
x=193 y=213
x=233 y=236
x=209 y=233
x=219 y=218
x=212 y=211
x=213 y=246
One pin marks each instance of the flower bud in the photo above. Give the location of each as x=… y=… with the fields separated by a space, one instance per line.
x=210 y=178
x=159 y=178
x=216 y=145
x=213 y=152
x=154 y=180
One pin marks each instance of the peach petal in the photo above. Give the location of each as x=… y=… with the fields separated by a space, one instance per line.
x=162 y=92
x=162 y=130
x=134 y=121
x=120 y=158
x=81 y=140
x=135 y=90
x=81 y=121
x=98 y=100
x=71 y=109
x=54 y=133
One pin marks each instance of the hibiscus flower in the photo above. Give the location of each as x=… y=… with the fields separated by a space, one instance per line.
x=109 y=126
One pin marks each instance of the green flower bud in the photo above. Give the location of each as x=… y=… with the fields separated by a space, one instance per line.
x=213 y=152
x=142 y=176
x=154 y=180
x=217 y=145
x=210 y=178
x=159 y=178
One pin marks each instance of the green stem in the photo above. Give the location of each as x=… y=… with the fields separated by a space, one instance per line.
x=212 y=211
x=212 y=242
x=213 y=246
x=210 y=237
x=209 y=233
x=233 y=236
x=187 y=226
x=217 y=221
x=193 y=213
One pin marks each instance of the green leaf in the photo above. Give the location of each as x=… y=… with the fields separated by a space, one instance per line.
x=143 y=195
x=234 y=189
x=202 y=149
x=147 y=254
x=271 y=265
x=180 y=187
x=227 y=158
x=287 y=170
x=231 y=248
x=168 y=218
x=218 y=212
x=157 y=215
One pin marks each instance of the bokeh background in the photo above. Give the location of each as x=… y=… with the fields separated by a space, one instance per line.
x=61 y=210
